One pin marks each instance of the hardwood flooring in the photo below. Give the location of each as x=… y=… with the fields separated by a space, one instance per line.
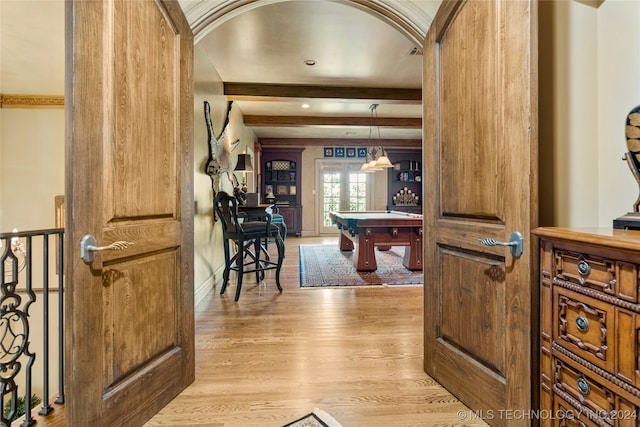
x=271 y=358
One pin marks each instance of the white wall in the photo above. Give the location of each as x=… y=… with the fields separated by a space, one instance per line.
x=31 y=167
x=31 y=140
x=568 y=114
x=589 y=67
x=618 y=26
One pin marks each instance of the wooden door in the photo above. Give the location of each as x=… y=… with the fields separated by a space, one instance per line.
x=129 y=109
x=480 y=156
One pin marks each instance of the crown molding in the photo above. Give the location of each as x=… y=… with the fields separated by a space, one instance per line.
x=593 y=3
x=31 y=101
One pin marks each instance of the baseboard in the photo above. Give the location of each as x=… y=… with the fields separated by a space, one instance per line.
x=207 y=286
x=202 y=290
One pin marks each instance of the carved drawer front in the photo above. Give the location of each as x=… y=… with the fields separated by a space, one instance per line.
x=586 y=270
x=607 y=275
x=590 y=327
x=584 y=326
x=565 y=415
x=582 y=388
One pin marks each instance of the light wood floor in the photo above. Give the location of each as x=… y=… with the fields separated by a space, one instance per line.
x=271 y=358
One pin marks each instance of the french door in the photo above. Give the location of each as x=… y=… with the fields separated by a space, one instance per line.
x=342 y=188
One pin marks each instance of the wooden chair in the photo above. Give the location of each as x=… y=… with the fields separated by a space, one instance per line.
x=248 y=235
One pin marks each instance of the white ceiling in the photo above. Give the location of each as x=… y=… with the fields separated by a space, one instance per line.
x=259 y=45
x=351 y=47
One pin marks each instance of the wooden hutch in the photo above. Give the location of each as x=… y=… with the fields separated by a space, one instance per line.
x=280 y=176
x=404 y=180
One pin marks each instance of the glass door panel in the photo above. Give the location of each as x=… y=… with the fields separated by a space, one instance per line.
x=342 y=188
x=357 y=191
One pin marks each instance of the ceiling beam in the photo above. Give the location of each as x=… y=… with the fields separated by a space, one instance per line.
x=354 y=142
x=281 y=92
x=384 y=122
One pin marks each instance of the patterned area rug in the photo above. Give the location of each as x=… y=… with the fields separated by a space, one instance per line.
x=327 y=265
x=318 y=418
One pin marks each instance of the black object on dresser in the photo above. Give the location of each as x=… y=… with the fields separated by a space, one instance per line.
x=281 y=179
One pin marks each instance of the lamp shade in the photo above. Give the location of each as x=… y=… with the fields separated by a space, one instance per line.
x=373 y=166
x=383 y=162
x=244 y=163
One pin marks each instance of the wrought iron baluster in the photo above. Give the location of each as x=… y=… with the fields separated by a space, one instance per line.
x=60 y=398
x=46 y=407
x=28 y=420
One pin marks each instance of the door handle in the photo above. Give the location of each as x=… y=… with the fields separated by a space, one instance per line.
x=88 y=247
x=515 y=243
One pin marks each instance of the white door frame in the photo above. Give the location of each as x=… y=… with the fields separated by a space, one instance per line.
x=320 y=165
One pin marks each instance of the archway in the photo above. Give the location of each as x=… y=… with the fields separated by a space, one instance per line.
x=407 y=18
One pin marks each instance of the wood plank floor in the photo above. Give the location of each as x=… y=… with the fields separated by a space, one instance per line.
x=271 y=358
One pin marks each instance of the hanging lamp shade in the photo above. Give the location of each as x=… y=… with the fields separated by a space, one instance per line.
x=373 y=166
x=383 y=161
x=379 y=161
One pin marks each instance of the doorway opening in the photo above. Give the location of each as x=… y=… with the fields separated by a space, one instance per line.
x=342 y=187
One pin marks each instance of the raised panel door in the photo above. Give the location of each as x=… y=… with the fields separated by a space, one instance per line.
x=480 y=146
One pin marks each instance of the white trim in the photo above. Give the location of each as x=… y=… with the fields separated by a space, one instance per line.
x=319 y=169
x=404 y=15
x=207 y=286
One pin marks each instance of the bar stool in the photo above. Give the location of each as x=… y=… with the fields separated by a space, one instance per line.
x=248 y=237
x=278 y=219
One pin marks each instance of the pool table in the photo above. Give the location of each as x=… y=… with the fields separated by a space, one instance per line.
x=365 y=231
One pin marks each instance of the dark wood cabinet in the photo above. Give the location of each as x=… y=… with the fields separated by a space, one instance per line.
x=281 y=178
x=404 y=185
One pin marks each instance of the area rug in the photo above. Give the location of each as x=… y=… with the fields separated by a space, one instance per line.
x=318 y=418
x=327 y=265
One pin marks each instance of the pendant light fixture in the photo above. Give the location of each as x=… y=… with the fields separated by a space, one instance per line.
x=376 y=159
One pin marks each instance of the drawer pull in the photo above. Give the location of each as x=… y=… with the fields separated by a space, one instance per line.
x=584 y=268
x=582 y=323
x=583 y=386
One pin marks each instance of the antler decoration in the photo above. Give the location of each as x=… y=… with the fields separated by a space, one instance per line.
x=220 y=160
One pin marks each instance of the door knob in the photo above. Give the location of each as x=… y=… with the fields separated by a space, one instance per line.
x=88 y=247
x=515 y=243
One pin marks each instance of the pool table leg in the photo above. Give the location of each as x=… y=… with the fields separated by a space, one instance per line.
x=346 y=242
x=413 y=253
x=365 y=255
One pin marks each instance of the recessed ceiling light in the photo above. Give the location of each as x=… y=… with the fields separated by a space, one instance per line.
x=305 y=105
x=310 y=62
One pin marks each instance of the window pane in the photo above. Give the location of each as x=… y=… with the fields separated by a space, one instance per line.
x=357 y=191
x=331 y=195
x=343 y=190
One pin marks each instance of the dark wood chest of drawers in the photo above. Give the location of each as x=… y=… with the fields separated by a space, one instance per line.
x=589 y=327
